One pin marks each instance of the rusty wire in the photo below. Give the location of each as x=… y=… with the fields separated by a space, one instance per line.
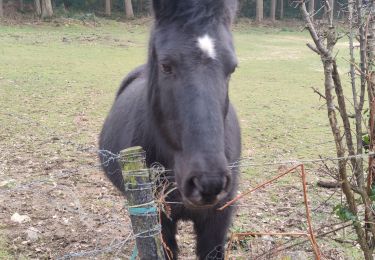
x=310 y=234
x=158 y=171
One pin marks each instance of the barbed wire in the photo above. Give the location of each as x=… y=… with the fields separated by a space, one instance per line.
x=108 y=249
x=157 y=170
x=111 y=157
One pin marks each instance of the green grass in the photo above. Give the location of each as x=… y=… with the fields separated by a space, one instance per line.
x=54 y=75
x=53 y=80
x=4 y=254
x=272 y=91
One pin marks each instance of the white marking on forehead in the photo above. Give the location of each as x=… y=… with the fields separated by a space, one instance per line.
x=207 y=45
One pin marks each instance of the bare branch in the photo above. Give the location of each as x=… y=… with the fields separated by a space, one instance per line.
x=313 y=48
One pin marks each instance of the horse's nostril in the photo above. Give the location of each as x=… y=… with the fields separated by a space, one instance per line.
x=226 y=182
x=197 y=184
x=207 y=189
x=211 y=185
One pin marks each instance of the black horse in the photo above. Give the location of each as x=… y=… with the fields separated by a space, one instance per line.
x=177 y=108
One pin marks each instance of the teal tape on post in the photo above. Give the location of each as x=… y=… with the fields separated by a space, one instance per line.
x=134 y=254
x=142 y=211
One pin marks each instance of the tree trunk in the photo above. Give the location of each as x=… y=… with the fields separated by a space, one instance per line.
x=1 y=8
x=281 y=9
x=21 y=6
x=38 y=8
x=371 y=93
x=329 y=10
x=108 y=7
x=332 y=82
x=312 y=7
x=273 y=10
x=128 y=9
x=47 y=10
x=259 y=11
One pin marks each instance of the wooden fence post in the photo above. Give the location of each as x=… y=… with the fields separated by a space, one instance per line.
x=142 y=207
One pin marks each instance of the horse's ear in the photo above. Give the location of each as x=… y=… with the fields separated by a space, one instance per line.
x=156 y=6
x=162 y=8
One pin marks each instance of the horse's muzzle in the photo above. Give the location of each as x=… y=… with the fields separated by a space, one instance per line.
x=204 y=190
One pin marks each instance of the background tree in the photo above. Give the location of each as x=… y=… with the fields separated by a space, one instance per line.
x=140 y=6
x=259 y=11
x=108 y=7
x=312 y=7
x=328 y=9
x=273 y=11
x=47 y=10
x=22 y=6
x=356 y=180
x=254 y=9
x=281 y=4
x=38 y=7
x=1 y=8
x=128 y=8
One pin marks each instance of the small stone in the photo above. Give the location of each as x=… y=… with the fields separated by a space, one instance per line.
x=268 y=238
x=20 y=218
x=32 y=234
x=59 y=234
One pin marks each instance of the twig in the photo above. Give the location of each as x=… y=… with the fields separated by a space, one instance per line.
x=322 y=96
x=317 y=236
x=313 y=48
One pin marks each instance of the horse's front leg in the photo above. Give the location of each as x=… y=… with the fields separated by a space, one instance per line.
x=211 y=233
x=169 y=230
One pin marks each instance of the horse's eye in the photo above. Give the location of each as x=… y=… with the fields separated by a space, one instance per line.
x=166 y=68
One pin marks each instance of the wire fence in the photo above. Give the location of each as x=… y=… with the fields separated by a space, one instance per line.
x=78 y=214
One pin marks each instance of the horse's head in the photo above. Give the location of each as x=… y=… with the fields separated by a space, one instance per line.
x=191 y=59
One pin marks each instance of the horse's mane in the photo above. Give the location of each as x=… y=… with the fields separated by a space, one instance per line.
x=196 y=12
x=185 y=14
x=133 y=75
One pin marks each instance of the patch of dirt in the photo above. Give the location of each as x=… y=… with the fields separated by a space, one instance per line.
x=96 y=38
x=75 y=213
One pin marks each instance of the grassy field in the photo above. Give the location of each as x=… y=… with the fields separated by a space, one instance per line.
x=69 y=70
x=57 y=83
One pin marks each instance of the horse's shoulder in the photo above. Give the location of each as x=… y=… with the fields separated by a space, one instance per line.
x=133 y=75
